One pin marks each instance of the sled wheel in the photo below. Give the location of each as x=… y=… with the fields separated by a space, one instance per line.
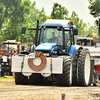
x=21 y=79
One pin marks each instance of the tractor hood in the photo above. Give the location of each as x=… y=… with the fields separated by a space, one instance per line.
x=46 y=47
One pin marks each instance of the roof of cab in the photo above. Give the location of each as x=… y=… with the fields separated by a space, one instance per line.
x=57 y=23
x=86 y=38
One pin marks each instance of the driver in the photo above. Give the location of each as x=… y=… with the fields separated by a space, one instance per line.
x=53 y=39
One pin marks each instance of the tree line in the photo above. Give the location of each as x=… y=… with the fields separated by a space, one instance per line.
x=17 y=13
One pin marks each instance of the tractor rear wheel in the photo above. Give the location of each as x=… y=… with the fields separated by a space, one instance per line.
x=84 y=67
x=74 y=77
x=65 y=79
x=36 y=79
x=21 y=79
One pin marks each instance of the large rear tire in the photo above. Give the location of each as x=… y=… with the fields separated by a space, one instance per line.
x=84 y=67
x=21 y=79
x=74 y=77
x=65 y=79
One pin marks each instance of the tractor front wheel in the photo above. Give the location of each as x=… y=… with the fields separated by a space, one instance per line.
x=65 y=79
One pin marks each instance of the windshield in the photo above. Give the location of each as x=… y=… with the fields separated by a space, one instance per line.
x=51 y=35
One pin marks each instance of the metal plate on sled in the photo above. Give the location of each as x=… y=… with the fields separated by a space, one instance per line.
x=57 y=65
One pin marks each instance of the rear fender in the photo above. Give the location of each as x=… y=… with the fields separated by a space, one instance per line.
x=73 y=50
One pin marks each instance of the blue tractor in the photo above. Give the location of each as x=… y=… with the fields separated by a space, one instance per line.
x=54 y=57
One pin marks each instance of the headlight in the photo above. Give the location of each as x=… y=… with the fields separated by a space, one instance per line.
x=2 y=63
x=46 y=54
x=6 y=63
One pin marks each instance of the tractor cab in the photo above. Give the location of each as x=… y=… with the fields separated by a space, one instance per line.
x=55 y=37
x=85 y=41
x=6 y=48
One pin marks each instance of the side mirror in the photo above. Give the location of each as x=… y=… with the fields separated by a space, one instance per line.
x=75 y=31
x=23 y=29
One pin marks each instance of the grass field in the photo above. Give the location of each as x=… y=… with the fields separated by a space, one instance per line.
x=7 y=78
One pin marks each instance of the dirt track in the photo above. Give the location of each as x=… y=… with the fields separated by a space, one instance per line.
x=10 y=91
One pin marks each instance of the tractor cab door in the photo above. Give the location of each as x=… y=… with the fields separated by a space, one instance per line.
x=68 y=38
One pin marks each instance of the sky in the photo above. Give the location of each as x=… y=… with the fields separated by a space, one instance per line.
x=79 y=6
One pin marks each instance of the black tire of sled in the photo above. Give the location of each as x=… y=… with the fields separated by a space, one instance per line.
x=20 y=79
x=36 y=79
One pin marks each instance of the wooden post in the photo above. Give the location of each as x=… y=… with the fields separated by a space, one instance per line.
x=63 y=96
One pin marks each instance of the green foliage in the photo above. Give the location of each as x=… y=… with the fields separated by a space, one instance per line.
x=94 y=7
x=78 y=23
x=83 y=28
x=17 y=13
x=59 y=12
x=12 y=16
x=31 y=22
